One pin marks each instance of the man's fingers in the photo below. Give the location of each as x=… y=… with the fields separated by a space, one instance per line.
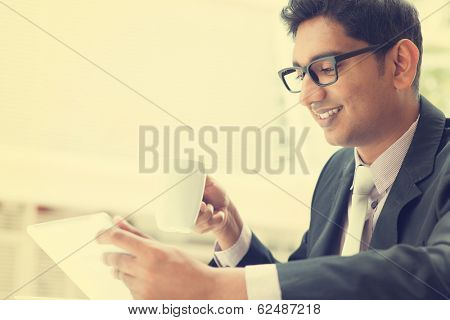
x=204 y=214
x=217 y=218
x=207 y=219
x=124 y=239
x=122 y=262
x=129 y=280
x=123 y=224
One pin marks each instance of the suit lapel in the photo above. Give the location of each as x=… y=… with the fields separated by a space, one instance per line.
x=403 y=191
x=417 y=165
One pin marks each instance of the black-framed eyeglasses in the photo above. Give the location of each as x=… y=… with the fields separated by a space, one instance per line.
x=323 y=71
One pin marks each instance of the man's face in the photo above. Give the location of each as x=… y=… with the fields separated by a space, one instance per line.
x=360 y=96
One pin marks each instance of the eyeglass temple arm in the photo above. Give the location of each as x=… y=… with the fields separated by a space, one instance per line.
x=358 y=52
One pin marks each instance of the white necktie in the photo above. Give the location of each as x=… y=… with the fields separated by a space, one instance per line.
x=362 y=186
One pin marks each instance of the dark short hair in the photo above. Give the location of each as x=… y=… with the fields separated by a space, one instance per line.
x=373 y=21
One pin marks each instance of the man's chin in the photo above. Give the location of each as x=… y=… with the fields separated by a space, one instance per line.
x=331 y=139
x=335 y=139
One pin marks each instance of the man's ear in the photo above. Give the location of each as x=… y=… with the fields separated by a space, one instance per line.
x=405 y=57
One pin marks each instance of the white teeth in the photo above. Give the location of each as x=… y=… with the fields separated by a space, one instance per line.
x=328 y=113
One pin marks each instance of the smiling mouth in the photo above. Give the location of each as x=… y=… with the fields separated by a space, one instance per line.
x=326 y=114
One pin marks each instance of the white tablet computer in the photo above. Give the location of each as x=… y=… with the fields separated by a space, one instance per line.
x=71 y=244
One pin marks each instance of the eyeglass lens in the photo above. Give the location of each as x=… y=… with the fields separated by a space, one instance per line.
x=322 y=72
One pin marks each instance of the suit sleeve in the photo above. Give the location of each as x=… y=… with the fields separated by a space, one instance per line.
x=400 y=272
x=256 y=254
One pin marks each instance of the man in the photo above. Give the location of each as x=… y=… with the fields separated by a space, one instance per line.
x=380 y=213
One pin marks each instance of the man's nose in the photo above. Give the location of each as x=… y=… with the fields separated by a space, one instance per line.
x=311 y=92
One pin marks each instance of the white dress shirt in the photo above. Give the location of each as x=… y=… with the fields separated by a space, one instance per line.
x=262 y=280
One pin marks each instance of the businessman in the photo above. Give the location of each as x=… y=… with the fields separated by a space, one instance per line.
x=380 y=212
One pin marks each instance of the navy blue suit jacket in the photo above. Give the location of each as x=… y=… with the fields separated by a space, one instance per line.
x=410 y=247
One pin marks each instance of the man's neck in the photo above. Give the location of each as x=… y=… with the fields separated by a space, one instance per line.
x=370 y=152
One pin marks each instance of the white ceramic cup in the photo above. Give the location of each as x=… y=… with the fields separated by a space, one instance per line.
x=179 y=207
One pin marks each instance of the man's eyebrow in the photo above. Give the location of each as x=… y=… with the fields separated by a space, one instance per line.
x=319 y=56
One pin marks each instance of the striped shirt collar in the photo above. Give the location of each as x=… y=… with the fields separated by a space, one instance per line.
x=386 y=167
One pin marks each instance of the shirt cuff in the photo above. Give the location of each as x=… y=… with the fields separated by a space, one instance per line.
x=262 y=282
x=233 y=255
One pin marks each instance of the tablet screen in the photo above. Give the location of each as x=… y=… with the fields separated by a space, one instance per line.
x=71 y=244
